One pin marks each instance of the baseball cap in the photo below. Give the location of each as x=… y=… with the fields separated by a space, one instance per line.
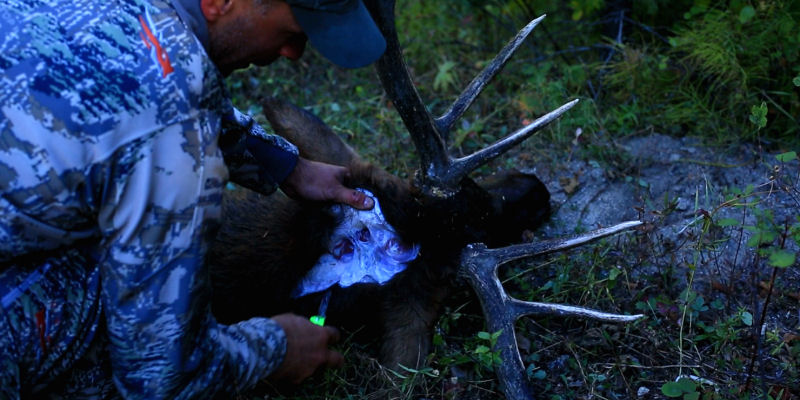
x=341 y=30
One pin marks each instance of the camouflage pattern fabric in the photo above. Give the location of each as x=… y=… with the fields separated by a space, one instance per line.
x=45 y=321
x=115 y=130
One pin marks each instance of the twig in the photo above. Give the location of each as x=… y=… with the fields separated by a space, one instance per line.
x=618 y=39
x=756 y=331
x=686 y=306
x=636 y=366
x=761 y=320
x=647 y=29
x=568 y=50
x=710 y=163
x=578 y=361
x=736 y=256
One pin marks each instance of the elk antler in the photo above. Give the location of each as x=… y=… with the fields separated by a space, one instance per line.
x=439 y=174
x=479 y=266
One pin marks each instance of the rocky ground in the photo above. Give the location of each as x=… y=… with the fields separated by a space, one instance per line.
x=673 y=184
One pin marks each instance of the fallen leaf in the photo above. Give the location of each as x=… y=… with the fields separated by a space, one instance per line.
x=719 y=286
x=790 y=337
x=569 y=184
x=764 y=286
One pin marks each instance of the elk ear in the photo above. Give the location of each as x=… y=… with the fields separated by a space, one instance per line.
x=315 y=140
x=521 y=201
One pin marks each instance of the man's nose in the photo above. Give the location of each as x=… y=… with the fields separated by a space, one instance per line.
x=294 y=47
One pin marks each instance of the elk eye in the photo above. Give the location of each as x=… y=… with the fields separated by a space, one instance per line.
x=363 y=235
x=399 y=250
x=343 y=249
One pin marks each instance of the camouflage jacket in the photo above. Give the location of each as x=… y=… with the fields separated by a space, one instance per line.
x=116 y=130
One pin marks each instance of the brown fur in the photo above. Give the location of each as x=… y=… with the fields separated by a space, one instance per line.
x=267 y=244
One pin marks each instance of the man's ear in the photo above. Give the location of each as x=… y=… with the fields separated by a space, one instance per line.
x=215 y=9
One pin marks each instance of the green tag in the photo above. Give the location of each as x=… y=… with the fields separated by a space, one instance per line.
x=317 y=320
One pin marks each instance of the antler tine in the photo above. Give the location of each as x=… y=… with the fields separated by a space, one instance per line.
x=465 y=99
x=479 y=265
x=463 y=166
x=510 y=253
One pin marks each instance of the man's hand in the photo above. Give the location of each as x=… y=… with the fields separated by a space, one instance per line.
x=312 y=180
x=306 y=348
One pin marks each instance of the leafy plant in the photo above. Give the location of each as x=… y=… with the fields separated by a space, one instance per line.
x=684 y=388
x=485 y=350
x=758 y=115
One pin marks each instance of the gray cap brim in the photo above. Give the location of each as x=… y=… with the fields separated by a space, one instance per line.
x=350 y=39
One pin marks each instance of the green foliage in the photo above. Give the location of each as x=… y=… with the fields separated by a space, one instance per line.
x=746 y=14
x=722 y=332
x=786 y=157
x=766 y=232
x=488 y=356
x=781 y=258
x=444 y=76
x=684 y=388
x=758 y=115
x=721 y=58
x=582 y=8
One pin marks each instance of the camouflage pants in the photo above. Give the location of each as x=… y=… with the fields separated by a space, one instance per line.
x=52 y=344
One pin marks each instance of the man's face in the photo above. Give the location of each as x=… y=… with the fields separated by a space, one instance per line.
x=256 y=34
x=279 y=35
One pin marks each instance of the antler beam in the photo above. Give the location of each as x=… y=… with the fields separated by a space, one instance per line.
x=397 y=83
x=439 y=175
x=479 y=266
